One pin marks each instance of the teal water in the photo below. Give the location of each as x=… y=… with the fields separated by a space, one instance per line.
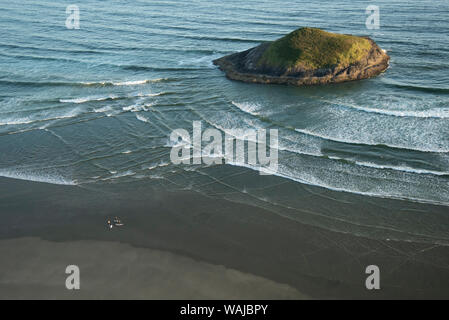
x=97 y=105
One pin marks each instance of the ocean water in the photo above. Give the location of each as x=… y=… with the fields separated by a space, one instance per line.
x=96 y=106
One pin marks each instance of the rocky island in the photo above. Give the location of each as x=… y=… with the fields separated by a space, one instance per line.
x=307 y=56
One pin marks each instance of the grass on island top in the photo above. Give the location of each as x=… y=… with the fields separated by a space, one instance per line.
x=312 y=48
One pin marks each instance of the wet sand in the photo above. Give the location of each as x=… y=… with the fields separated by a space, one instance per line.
x=185 y=245
x=111 y=270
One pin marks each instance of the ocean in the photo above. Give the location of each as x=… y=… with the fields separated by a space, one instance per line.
x=94 y=108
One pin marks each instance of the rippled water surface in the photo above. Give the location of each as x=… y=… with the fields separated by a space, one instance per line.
x=97 y=105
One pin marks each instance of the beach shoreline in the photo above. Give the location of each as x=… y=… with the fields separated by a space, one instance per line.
x=290 y=260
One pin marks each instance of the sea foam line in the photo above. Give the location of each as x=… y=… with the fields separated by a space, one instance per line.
x=142 y=118
x=88 y=99
x=28 y=120
x=124 y=83
x=439 y=113
x=109 y=97
x=397 y=168
x=86 y=84
x=322 y=155
x=29 y=176
x=325 y=137
x=326 y=186
x=247 y=107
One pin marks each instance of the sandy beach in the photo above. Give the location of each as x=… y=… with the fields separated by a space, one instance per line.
x=34 y=269
x=182 y=245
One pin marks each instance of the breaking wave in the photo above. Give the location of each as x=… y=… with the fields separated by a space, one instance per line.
x=342 y=140
x=28 y=120
x=247 y=107
x=440 y=113
x=15 y=173
x=84 y=84
x=109 y=97
x=125 y=83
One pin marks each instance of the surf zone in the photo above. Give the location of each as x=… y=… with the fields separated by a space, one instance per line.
x=243 y=147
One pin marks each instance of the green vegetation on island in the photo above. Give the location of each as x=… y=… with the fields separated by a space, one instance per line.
x=312 y=48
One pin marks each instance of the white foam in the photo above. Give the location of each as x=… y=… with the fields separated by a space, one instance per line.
x=151 y=94
x=247 y=107
x=103 y=109
x=343 y=140
x=346 y=185
x=142 y=118
x=368 y=164
x=17 y=173
x=25 y=120
x=402 y=168
x=88 y=99
x=162 y=164
x=125 y=83
x=124 y=174
x=440 y=113
x=116 y=175
x=109 y=97
x=131 y=83
x=28 y=120
x=138 y=107
x=303 y=145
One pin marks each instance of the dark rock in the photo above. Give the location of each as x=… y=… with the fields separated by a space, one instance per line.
x=246 y=66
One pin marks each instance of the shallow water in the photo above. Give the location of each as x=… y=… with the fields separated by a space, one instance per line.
x=97 y=105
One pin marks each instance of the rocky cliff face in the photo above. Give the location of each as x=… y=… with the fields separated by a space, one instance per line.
x=303 y=69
